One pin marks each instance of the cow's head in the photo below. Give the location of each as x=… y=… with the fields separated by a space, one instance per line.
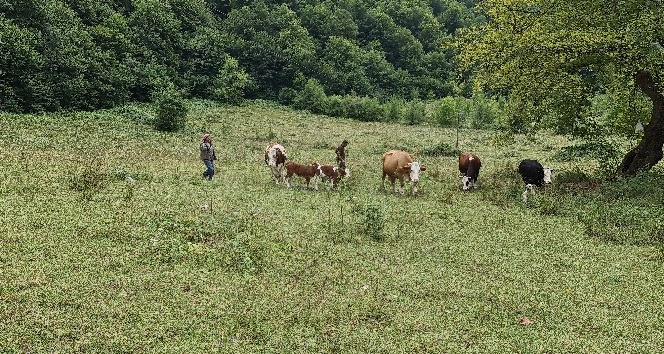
x=274 y=156
x=466 y=183
x=413 y=169
x=547 y=175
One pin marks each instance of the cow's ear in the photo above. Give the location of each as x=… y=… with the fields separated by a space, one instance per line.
x=405 y=168
x=423 y=168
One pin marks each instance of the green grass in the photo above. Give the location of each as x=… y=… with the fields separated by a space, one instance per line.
x=173 y=263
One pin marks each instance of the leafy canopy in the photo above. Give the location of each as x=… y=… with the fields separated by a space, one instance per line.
x=552 y=57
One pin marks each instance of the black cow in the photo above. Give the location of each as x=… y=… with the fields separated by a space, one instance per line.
x=533 y=174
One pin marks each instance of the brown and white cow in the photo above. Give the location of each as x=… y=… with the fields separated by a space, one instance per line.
x=305 y=171
x=469 y=166
x=399 y=164
x=333 y=173
x=275 y=158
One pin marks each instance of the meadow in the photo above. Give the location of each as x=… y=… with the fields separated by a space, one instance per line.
x=173 y=263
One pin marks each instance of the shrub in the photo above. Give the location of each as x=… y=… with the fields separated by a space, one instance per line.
x=364 y=108
x=445 y=113
x=485 y=112
x=372 y=220
x=312 y=97
x=231 y=82
x=441 y=149
x=393 y=110
x=336 y=107
x=171 y=112
x=415 y=112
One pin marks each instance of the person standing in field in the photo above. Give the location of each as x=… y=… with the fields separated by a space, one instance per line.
x=341 y=152
x=208 y=156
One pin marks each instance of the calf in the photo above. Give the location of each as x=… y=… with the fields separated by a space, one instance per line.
x=533 y=174
x=305 y=171
x=333 y=173
x=275 y=158
x=399 y=164
x=469 y=166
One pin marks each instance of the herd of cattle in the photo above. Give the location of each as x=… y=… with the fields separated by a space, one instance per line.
x=397 y=164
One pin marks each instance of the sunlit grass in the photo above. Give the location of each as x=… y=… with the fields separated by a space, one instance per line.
x=173 y=263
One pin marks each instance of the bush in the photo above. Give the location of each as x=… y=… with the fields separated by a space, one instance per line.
x=485 y=112
x=373 y=221
x=231 y=82
x=311 y=98
x=441 y=149
x=393 y=110
x=336 y=107
x=364 y=109
x=171 y=112
x=415 y=112
x=445 y=113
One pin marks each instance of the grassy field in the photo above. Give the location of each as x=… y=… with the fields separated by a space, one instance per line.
x=173 y=263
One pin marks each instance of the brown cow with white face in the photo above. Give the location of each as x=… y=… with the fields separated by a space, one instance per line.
x=333 y=173
x=399 y=164
x=275 y=158
x=469 y=167
x=305 y=171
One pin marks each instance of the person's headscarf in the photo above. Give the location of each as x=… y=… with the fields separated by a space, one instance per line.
x=206 y=138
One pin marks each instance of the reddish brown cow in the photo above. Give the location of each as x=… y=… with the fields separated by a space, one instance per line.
x=469 y=166
x=333 y=173
x=399 y=164
x=275 y=158
x=305 y=171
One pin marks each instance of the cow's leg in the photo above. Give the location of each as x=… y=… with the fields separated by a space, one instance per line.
x=402 y=189
x=392 y=182
x=529 y=188
x=316 y=182
x=286 y=180
x=273 y=170
x=382 y=185
x=307 y=179
x=281 y=175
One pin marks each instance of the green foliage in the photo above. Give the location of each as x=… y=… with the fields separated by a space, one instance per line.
x=231 y=82
x=365 y=109
x=89 y=179
x=485 y=112
x=553 y=60
x=311 y=98
x=441 y=149
x=575 y=175
x=415 y=112
x=94 y=54
x=171 y=112
x=336 y=106
x=372 y=220
x=393 y=112
x=445 y=113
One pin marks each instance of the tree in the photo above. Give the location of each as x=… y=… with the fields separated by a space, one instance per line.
x=551 y=57
x=231 y=82
x=269 y=41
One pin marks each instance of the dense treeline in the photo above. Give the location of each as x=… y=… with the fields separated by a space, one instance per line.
x=89 y=54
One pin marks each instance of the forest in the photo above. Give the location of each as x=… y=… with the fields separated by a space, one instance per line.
x=91 y=54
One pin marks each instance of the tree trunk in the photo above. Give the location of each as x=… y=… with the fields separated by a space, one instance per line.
x=649 y=151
